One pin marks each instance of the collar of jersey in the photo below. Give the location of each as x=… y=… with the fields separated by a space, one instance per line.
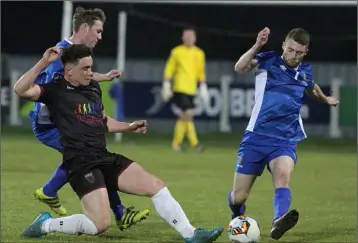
x=71 y=85
x=68 y=41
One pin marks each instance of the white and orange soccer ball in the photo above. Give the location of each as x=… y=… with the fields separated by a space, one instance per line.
x=244 y=229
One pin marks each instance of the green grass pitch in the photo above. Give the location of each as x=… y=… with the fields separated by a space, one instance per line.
x=323 y=186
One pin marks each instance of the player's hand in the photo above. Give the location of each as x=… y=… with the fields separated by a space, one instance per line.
x=51 y=54
x=332 y=101
x=113 y=74
x=140 y=126
x=204 y=93
x=166 y=91
x=262 y=37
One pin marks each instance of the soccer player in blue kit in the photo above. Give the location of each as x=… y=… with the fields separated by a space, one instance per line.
x=87 y=29
x=275 y=126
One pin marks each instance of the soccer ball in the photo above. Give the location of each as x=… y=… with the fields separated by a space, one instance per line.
x=244 y=229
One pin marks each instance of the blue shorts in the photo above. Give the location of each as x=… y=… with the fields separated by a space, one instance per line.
x=256 y=151
x=49 y=136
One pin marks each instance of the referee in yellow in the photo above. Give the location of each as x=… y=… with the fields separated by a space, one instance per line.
x=186 y=68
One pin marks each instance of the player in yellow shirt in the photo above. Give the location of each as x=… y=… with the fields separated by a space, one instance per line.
x=185 y=67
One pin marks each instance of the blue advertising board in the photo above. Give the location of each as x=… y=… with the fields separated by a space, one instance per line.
x=143 y=100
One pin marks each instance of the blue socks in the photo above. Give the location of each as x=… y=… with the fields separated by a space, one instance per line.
x=236 y=209
x=282 y=202
x=57 y=181
x=116 y=204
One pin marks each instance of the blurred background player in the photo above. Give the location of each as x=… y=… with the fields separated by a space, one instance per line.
x=87 y=29
x=275 y=126
x=185 y=66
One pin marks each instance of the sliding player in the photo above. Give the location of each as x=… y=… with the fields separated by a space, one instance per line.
x=87 y=29
x=75 y=101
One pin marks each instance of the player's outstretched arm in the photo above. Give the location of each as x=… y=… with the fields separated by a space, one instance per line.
x=102 y=77
x=114 y=126
x=247 y=61
x=318 y=95
x=25 y=87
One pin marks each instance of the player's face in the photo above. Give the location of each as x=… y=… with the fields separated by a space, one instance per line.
x=293 y=52
x=82 y=72
x=94 y=34
x=189 y=37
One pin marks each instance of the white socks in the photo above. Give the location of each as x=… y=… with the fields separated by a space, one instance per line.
x=170 y=210
x=167 y=207
x=74 y=225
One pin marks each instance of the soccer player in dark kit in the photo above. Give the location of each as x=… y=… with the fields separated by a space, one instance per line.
x=75 y=103
x=87 y=28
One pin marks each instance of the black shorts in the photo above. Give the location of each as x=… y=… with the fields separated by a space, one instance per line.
x=88 y=173
x=183 y=101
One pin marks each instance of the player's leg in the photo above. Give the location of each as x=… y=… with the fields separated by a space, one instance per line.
x=281 y=165
x=48 y=193
x=131 y=178
x=91 y=188
x=188 y=114
x=191 y=131
x=249 y=165
x=240 y=193
x=180 y=125
x=56 y=182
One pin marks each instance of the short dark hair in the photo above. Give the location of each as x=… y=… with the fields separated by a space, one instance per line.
x=73 y=53
x=87 y=16
x=301 y=36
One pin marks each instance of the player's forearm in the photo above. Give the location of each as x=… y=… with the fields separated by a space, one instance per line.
x=317 y=94
x=27 y=81
x=100 y=77
x=244 y=63
x=117 y=126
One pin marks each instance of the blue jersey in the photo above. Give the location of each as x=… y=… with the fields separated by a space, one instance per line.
x=40 y=115
x=279 y=92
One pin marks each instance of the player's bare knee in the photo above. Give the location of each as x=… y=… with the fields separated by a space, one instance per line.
x=97 y=209
x=136 y=180
x=157 y=185
x=101 y=219
x=103 y=226
x=281 y=179
x=281 y=169
x=102 y=223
